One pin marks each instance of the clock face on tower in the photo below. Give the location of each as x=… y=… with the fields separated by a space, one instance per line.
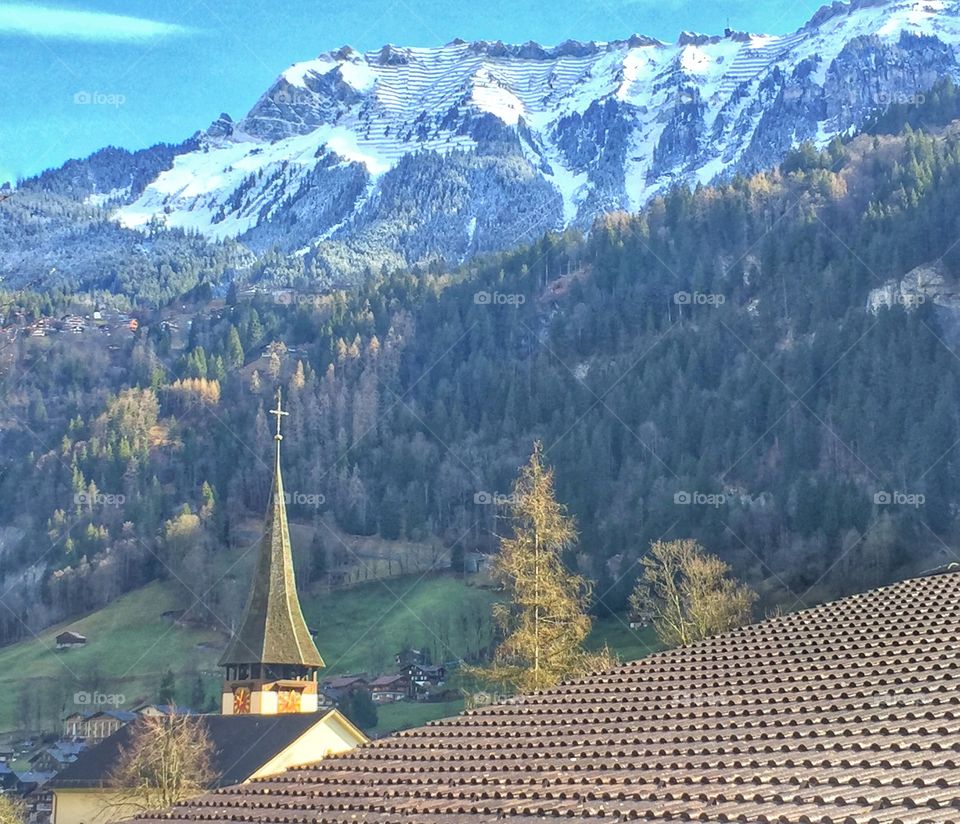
x=241 y=701
x=288 y=701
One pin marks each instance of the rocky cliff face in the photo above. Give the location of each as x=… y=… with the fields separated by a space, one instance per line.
x=869 y=71
x=929 y=283
x=409 y=153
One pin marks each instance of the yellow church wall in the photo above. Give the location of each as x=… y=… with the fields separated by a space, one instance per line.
x=89 y=806
x=333 y=734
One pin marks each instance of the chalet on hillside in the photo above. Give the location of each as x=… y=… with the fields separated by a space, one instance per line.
x=70 y=639
x=389 y=688
x=343 y=686
x=423 y=678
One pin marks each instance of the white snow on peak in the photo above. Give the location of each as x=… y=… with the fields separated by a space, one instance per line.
x=358 y=73
x=497 y=99
x=296 y=74
x=695 y=60
x=415 y=99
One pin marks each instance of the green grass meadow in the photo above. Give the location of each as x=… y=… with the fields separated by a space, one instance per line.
x=131 y=644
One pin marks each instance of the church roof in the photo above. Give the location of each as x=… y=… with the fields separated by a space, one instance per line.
x=242 y=744
x=848 y=713
x=272 y=630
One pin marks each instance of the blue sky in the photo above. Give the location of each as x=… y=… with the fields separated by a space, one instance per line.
x=77 y=75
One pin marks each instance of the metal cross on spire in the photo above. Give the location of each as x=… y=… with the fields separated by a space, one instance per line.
x=279 y=413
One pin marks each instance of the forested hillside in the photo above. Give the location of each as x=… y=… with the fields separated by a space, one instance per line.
x=710 y=367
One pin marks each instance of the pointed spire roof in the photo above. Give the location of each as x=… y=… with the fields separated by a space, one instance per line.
x=273 y=630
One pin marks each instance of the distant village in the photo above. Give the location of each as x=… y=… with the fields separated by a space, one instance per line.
x=28 y=766
x=115 y=323
x=105 y=322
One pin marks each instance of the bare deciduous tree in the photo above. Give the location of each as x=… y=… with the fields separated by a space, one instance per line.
x=687 y=593
x=12 y=810
x=169 y=758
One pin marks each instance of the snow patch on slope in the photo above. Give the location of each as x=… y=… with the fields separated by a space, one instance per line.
x=376 y=108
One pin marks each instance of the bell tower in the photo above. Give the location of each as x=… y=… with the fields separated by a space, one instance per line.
x=272 y=662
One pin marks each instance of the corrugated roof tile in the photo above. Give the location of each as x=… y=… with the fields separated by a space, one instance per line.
x=848 y=713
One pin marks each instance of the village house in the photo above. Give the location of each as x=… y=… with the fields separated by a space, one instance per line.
x=8 y=778
x=270 y=714
x=54 y=758
x=389 y=688
x=423 y=678
x=97 y=725
x=156 y=710
x=73 y=724
x=38 y=799
x=841 y=714
x=341 y=687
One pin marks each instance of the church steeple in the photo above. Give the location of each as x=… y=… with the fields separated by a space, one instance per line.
x=272 y=660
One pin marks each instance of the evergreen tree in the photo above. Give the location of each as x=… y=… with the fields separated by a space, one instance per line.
x=198 y=695
x=361 y=709
x=168 y=689
x=233 y=355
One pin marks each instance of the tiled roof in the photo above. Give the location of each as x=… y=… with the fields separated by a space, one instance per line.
x=341 y=681
x=165 y=709
x=119 y=715
x=61 y=751
x=242 y=744
x=388 y=680
x=848 y=713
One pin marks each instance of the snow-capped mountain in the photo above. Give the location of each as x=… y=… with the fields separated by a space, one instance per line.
x=474 y=146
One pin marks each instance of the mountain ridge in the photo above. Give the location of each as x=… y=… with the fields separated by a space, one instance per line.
x=489 y=139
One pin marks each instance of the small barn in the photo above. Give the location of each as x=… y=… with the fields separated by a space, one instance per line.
x=70 y=639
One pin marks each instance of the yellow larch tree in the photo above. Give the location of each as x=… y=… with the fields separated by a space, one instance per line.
x=544 y=620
